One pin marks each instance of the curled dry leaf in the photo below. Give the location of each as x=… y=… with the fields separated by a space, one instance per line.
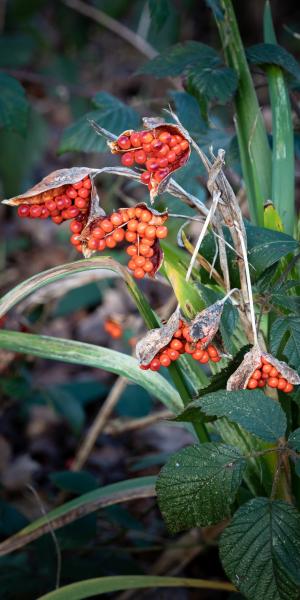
x=156 y=339
x=206 y=324
x=164 y=151
x=252 y=362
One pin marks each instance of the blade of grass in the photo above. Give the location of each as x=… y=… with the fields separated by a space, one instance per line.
x=93 y=356
x=283 y=162
x=252 y=137
x=103 y=585
x=115 y=493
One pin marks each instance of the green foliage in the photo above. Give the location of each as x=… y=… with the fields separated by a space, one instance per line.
x=202 y=64
x=251 y=409
x=13 y=105
x=110 y=113
x=198 y=484
x=273 y=54
x=159 y=11
x=260 y=550
x=80 y=482
x=294 y=439
x=285 y=339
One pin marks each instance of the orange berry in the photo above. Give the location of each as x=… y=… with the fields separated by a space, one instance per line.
x=132 y=225
x=171 y=156
x=116 y=219
x=135 y=139
x=131 y=250
x=131 y=265
x=176 y=345
x=130 y=236
x=161 y=232
x=131 y=212
x=173 y=354
x=186 y=334
x=124 y=142
x=177 y=333
x=190 y=349
x=140 y=261
x=57 y=220
x=267 y=368
x=150 y=232
x=83 y=193
x=212 y=351
x=155 y=364
x=145 y=177
x=148 y=242
x=281 y=383
x=148 y=266
x=272 y=382
x=256 y=374
x=198 y=354
x=264 y=360
x=93 y=244
x=140 y=157
x=101 y=245
x=138 y=212
x=288 y=388
x=164 y=137
x=139 y=273
x=74 y=239
x=87 y=184
x=144 y=249
x=261 y=383
x=107 y=225
x=165 y=360
x=118 y=235
x=146 y=137
x=215 y=358
x=124 y=215
x=205 y=358
x=98 y=233
x=110 y=242
x=146 y=216
x=273 y=372
x=184 y=145
x=141 y=228
x=252 y=384
x=76 y=227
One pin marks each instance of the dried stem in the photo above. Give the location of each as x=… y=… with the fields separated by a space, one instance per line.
x=216 y=198
x=119 y=426
x=116 y=27
x=99 y=423
x=250 y=295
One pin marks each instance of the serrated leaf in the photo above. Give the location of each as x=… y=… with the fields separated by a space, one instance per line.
x=214 y=83
x=251 y=409
x=198 y=484
x=14 y=107
x=265 y=247
x=290 y=303
x=219 y=380
x=176 y=59
x=110 y=113
x=260 y=550
x=273 y=54
x=294 y=439
x=285 y=336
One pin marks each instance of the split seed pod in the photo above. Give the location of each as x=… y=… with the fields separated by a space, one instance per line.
x=252 y=361
x=159 y=178
x=156 y=339
x=206 y=323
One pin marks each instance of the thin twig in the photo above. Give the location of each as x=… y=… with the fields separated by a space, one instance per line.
x=99 y=423
x=118 y=426
x=210 y=215
x=250 y=295
x=53 y=535
x=116 y=27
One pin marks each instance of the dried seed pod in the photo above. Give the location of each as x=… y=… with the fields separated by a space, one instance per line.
x=162 y=148
x=253 y=361
x=206 y=324
x=156 y=339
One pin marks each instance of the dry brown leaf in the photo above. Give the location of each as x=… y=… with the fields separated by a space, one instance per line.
x=206 y=323
x=156 y=339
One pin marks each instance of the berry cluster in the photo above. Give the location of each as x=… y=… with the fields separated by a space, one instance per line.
x=158 y=150
x=136 y=225
x=61 y=203
x=266 y=374
x=113 y=328
x=182 y=343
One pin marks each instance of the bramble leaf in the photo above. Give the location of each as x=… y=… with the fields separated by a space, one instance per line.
x=14 y=107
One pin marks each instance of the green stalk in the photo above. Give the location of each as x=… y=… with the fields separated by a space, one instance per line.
x=252 y=137
x=283 y=164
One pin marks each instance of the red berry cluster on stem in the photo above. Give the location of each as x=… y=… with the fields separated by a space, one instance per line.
x=60 y=204
x=159 y=151
x=136 y=225
x=182 y=343
x=266 y=374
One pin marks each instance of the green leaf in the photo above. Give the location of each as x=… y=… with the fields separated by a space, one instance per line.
x=283 y=160
x=251 y=409
x=294 y=439
x=188 y=112
x=13 y=105
x=123 y=491
x=273 y=54
x=214 y=83
x=285 y=337
x=93 y=356
x=104 y=585
x=290 y=303
x=159 y=12
x=266 y=247
x=175 y=60
x=16 y=50
x=198 y=484
x=260 y=550
x=110 y=113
